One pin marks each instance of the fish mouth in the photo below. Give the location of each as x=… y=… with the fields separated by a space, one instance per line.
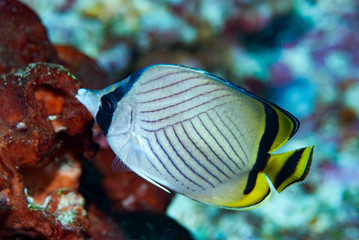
x=81 y=94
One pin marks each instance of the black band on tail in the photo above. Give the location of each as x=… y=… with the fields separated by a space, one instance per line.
x=288 y=168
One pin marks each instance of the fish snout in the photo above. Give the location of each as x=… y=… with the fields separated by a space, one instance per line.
x=89 y=99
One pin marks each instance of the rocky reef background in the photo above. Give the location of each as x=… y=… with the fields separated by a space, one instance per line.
x=55 y=176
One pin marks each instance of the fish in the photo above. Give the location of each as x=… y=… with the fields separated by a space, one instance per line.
x=188 y=131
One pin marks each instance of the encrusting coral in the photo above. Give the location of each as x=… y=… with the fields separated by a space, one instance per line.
x=41 y=125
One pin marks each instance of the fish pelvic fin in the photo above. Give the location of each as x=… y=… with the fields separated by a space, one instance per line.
x=284 y=169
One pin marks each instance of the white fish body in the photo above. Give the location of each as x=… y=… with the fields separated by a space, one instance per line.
x=196 y=134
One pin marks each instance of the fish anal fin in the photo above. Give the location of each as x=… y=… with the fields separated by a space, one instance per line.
x=258 y=194
x=284 y=169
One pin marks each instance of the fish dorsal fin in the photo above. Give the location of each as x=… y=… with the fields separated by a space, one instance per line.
x=287 y=126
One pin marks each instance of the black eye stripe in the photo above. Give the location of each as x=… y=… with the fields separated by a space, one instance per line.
x=110 y=100
x=107 y=108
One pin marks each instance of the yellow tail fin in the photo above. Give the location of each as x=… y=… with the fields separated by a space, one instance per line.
x=284 y=169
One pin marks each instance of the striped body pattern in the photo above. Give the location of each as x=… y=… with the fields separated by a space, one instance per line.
x=199 y=135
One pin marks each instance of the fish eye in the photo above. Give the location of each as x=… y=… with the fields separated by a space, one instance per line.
x=108 y=106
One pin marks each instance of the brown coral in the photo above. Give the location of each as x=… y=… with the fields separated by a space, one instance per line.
x=43 y=131
x=23 y=39
x=85 y=68
x=38 y=144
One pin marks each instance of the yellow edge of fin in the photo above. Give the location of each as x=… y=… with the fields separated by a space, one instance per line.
x=260 y=194
x=284 y=169
x=285 y=131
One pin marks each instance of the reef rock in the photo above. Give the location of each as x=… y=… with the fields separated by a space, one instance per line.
x=44 y=131
x=23 y=38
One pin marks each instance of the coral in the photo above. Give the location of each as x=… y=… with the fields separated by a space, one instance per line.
x=85 y=68
x=67 y=207
x=23 y=39
x=129 y=192
x=41 y=125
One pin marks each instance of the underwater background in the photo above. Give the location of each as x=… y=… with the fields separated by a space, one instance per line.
x=302 y=55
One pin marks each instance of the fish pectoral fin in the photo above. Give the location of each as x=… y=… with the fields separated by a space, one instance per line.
x=284 y=169
x=252 y=194
x=131 y=153
x=122 y=151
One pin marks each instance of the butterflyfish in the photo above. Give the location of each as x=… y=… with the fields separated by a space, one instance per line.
x=199 y=135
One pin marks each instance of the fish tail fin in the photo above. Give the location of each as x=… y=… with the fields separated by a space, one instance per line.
x=284 y=169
